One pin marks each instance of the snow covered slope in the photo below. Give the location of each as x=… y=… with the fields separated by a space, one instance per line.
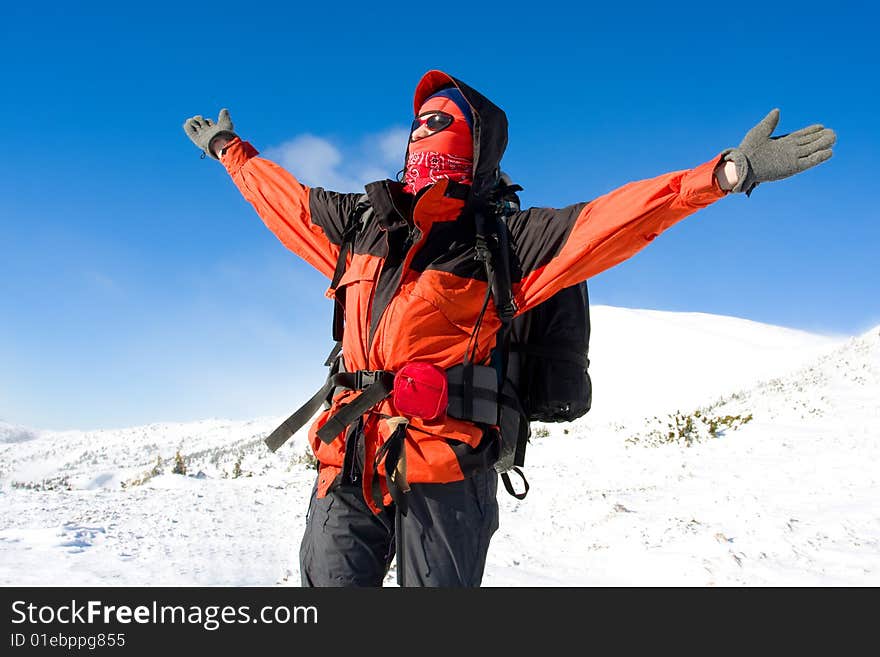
x=10 y=433
x=789 y=497
x=647 y=361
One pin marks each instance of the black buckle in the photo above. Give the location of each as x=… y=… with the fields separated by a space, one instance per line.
x=365 y=378
x=481 y=250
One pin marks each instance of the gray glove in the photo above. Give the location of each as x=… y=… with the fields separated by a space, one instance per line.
x=762 y=158
x=203 y=131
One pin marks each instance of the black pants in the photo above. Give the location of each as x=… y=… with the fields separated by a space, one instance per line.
x=441 y=541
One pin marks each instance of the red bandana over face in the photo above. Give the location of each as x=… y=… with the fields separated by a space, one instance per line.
x=441 y=146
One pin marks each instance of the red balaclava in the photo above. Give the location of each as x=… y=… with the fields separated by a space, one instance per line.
x=449 y=151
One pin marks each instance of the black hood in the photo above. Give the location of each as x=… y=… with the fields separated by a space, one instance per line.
x=489 y=128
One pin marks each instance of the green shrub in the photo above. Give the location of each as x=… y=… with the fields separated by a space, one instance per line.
x=179 y=464
x=691 y=428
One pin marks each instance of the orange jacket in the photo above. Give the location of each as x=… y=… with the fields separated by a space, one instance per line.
x=413 y=290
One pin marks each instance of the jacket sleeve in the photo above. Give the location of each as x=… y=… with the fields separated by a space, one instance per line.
x=555 y=249
x=308 y=221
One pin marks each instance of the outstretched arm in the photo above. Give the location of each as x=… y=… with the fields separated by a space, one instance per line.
x=557 y=248
x=308 y=221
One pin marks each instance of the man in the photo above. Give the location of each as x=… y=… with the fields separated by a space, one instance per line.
x=394 y=477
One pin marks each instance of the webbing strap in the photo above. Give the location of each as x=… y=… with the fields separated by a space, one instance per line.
x=333 y=354
x=467 y=389
x=508 y=485
x=339 y=297
x=351 y=380
x=296 y=421
x=400 y=547
x=346 y=243
x=371 y=395
x=392 y=450
x=486 y=394
x=467 y=396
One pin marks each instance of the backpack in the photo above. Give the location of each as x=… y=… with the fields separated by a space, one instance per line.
x=541 y=356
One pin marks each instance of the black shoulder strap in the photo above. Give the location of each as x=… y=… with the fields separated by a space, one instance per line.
x=501 y=288
x=486 y=247
x=493 y=248
x=352 y=228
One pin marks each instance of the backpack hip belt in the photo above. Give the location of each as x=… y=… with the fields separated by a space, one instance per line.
x=482 y=405
x=375 y=385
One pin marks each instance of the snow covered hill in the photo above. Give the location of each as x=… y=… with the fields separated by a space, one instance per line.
x=10 y=433
x=787 y=495
x=647 y=361
x=632 y=494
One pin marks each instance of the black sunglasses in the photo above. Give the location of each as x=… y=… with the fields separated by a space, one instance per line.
x=435 y=121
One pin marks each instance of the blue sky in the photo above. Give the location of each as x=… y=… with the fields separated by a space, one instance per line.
x=137 y=286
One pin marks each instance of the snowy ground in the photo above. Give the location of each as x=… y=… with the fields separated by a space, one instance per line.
x=789 y=496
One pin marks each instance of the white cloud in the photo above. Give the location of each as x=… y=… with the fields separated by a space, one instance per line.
x=392 y=145
x=318 y=162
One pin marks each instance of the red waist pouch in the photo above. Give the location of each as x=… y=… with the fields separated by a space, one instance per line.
x=420 y=390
